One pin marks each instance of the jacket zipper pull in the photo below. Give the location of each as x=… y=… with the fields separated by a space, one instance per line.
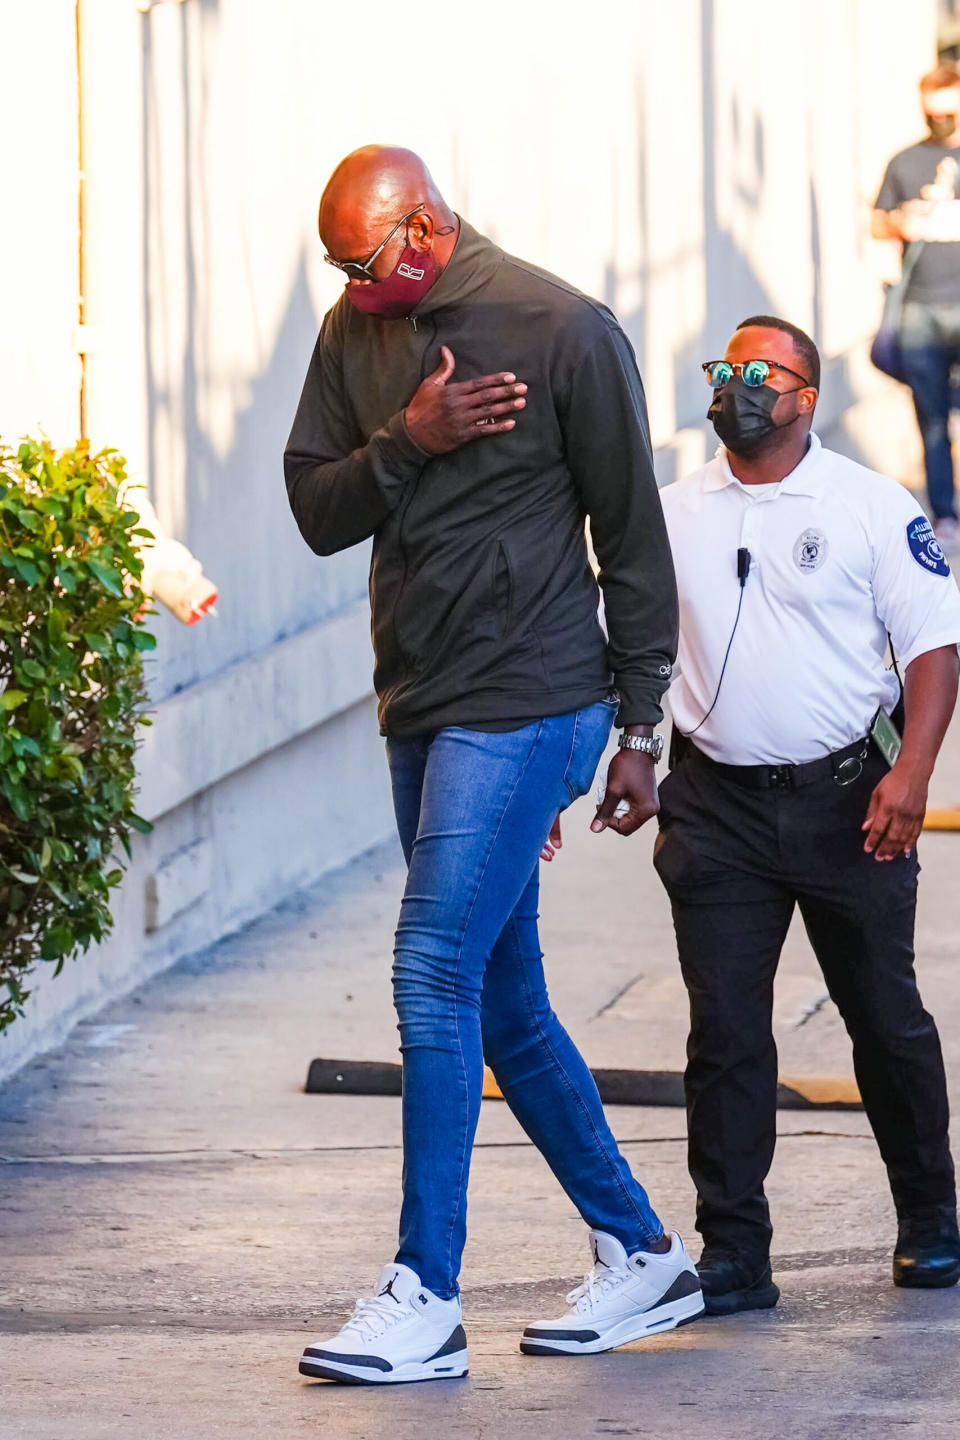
x=413 y=321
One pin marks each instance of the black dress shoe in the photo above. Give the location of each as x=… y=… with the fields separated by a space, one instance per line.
x=733 y=1282
x=927 y=1256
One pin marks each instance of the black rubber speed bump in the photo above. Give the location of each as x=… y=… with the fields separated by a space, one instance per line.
x=617 y=1087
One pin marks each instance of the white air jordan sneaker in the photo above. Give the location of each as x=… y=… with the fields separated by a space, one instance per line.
x=622 y=1299
x=403 y=1332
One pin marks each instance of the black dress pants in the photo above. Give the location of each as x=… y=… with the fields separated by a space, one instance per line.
x=735 y=862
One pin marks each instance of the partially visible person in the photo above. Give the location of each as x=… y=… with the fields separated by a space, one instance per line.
x=793 y=566
x=171 y=573
x=919 y=205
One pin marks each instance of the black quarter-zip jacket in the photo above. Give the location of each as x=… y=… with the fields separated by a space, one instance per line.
x=485 y=606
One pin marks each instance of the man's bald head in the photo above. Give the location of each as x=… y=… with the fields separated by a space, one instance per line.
x=368 y=193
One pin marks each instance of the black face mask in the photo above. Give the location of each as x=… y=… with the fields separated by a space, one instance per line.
x=742 y=415
x=941 y=127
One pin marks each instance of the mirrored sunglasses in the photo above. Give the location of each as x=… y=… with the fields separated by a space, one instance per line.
x=751 y=372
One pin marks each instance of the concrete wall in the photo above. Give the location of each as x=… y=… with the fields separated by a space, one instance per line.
x=688 y=163
x=39 y=366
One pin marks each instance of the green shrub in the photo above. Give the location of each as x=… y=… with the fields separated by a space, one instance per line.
x=71 y=639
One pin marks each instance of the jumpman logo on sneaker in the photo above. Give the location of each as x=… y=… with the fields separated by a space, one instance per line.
x=388 y=1289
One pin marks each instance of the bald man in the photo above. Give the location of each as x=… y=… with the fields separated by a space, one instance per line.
x=467 y=411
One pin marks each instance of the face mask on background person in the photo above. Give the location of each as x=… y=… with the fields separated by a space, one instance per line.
x=742 y=415
x=941 y=127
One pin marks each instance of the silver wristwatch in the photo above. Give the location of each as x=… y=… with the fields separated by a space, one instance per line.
x=651 y=745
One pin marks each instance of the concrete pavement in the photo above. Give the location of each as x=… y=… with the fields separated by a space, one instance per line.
x=178 y=1217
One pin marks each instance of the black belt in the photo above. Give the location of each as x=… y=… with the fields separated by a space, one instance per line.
x=843 y=766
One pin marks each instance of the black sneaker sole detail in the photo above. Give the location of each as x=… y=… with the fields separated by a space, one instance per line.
x=533 y=1332
x=754 y=1297
x=645 y=1324
x=316 y=1355
x=319 y=1371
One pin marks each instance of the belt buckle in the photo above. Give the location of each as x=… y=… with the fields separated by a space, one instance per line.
x=781 y=777
x=850 y=769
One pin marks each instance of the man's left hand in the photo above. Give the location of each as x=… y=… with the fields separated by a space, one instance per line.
x=895 y=814
x=632 y=777
x=553 y=842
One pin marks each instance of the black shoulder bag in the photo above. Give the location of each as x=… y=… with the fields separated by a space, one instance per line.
x=886 y=352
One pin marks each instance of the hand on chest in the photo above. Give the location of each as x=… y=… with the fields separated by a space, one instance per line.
x=393 y=358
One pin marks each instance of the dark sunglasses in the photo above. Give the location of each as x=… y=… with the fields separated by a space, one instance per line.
x=751 y=372
x=360 y=269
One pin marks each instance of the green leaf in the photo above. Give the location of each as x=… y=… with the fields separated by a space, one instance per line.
x=20 y=802
x=57 y=940
x=137 y=822
x=109 y=579
x=46 y=854
x=58 y=891
x=10 y=699
x=99 y=644
x=143 y=640
x=56 y=626
x=70 y=765
x=30 y=520
x=27 y=571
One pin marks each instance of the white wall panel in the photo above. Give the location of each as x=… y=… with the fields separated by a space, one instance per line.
x=39 y=369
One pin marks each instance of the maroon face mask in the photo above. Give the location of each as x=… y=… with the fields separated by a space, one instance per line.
x=395 y=297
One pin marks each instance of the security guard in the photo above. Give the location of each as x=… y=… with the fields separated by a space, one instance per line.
x=794 y=565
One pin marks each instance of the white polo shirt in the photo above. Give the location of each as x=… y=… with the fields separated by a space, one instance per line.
x=839 y=556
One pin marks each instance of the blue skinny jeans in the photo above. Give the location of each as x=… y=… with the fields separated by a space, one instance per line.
x=473 y=811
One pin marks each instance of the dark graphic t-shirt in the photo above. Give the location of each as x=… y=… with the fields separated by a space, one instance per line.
x=927 y=171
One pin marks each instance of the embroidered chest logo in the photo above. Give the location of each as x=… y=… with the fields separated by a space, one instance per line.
x=810 y=551
x=925 y=547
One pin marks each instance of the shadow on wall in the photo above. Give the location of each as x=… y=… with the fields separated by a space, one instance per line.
x=733 y=289
x=230 y=508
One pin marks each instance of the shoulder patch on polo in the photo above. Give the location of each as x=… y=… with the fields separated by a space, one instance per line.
x=925 y=547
